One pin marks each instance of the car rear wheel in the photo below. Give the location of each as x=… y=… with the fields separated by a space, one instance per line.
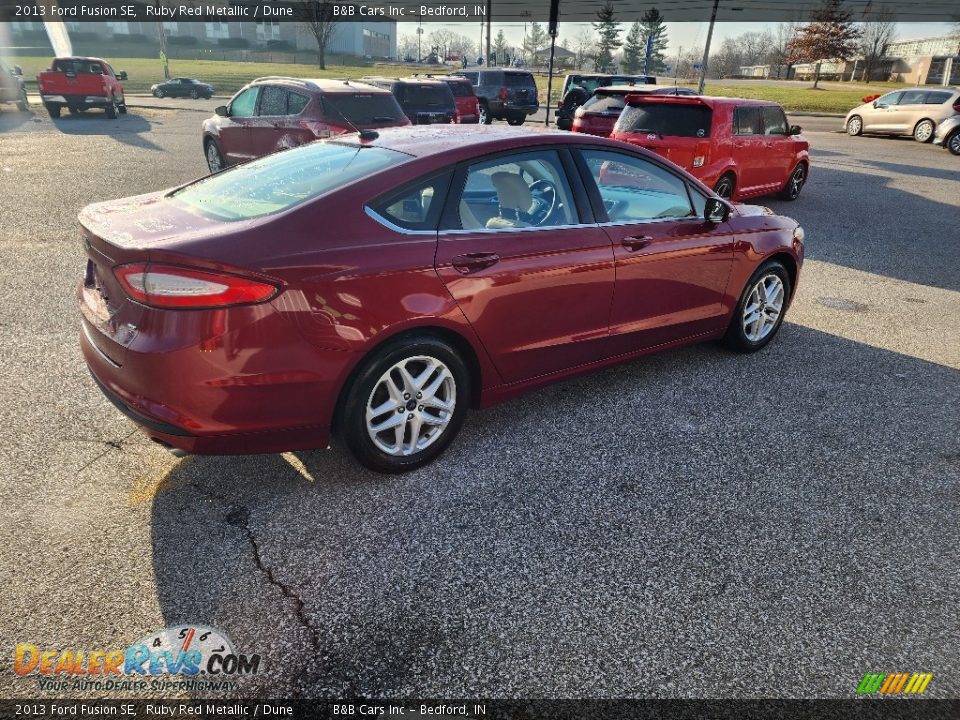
x=214 y=158
x=53 y=110
x=406 y=405
x=923 y=132
x=158 y=93
x=760 y=312
x=112 y=109
x=485 y=117
x=855 y=126
x=725 y=186
x=791 y=191
x=516 y=119
x=952 y=143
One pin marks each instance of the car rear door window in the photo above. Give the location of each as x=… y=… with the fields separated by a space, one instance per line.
x=417 y=206
x=245 y=104
x=635 y=190
x=273 y=101
x=296 y=103
x=774 y=121
x=913 y=97
x=746 y=121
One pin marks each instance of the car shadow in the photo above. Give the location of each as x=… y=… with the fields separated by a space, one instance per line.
x=845 y=214
x=127 y=129
x=676 y=525
x=12 y=119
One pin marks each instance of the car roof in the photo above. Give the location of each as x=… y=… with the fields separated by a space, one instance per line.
x=423 y=80
x=87 y=58
x=321 y=85
x=707 y=100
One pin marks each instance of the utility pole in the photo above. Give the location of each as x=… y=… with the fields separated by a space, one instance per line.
x=706 y=49
x=163 y=47
x=489 y=20
x=676 y=68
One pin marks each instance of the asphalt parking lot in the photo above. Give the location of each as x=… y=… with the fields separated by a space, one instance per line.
x=694 y=524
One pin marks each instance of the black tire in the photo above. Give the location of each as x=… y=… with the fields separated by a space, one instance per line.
x=53 y=110
x=796 y=181
x=855 y=126
x=923 y=131
x=158 y=93
x=485 y=117
x=74 y=110
x=112 y=109
x=736 y=337
x=952 y=142
x=726 y=186
x=516 y=119
x=213 y=156
x=353 y=427
x=23 y=103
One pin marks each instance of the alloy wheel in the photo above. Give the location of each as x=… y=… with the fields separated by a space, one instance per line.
x=923 y=131
x=724 y=188
x=763 y=307
x=854 y=126
x=214 y=161
x=953 y=144
x=411 y=405
x=796 y=182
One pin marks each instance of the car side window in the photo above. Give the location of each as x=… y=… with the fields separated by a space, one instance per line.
x=273 y=101
x=296 y=103
x=417 y=206
x=519 y=190
x=889 y=99
x=913 y=97
x=746 y=120
x=245 y=104
x=937 y=98
x=634 y=189
x=774 y=121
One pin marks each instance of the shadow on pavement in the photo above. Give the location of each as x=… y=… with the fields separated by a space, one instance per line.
x=683 y=525
x=127 y=129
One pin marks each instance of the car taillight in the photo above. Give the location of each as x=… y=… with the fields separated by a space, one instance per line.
x=171 y=286
x=503 y=93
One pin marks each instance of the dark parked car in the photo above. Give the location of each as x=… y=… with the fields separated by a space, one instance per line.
x=274 y=113
x=504 y=94
x=468 y=108
x=425 y=102
x=599 y=113
x=382 y=287
x=578 y=87
x=182 y=87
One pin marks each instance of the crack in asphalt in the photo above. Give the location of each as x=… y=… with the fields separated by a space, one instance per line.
x=111 y=446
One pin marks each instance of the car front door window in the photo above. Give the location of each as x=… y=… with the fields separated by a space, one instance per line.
x=245 y=104
x=635 y=190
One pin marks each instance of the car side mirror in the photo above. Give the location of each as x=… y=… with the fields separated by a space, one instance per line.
x=223 y=111
x=876 y=104
x=795 y=130
x=716 y=211
x=122 y=75
x=17 y=70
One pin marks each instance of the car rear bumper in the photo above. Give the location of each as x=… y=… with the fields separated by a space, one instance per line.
x=77 y=100
x=509 y=107
x=256 y=389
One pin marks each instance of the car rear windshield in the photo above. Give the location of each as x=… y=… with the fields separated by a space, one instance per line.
x=604 y=103
x=426 y=95
x=77 y=67
x=672 y=120
x=518 y=80
x=365 y=109
x=461 y=89
x=280 y=181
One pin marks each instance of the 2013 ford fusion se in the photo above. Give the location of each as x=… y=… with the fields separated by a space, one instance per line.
x=377 y=286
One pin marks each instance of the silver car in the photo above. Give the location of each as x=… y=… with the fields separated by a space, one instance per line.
x=914 y=112
x=948 y=134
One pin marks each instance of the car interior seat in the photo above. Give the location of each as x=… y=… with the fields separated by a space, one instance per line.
x=514 y=197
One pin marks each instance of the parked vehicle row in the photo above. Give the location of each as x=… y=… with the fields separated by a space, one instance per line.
x=229 y=315
x=503 y=94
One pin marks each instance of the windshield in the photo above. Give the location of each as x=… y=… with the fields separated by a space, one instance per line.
x=604 y=103
x=362 y=109
x=432 y=95
x=518 y=80
x=282 y=180
x=672 y=120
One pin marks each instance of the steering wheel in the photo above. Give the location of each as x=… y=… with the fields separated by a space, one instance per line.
x=544 y=201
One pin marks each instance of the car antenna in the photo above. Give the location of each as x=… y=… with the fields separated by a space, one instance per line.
x=364 y=134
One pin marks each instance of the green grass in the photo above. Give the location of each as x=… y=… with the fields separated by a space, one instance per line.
x=228 y=77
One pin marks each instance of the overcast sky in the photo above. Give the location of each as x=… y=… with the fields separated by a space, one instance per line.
x=681 y=35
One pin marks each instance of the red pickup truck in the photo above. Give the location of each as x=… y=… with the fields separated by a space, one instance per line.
x=79 y=83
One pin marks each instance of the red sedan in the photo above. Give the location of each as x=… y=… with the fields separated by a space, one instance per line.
x=380 y=286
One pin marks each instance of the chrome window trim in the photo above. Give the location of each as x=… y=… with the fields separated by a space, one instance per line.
x=374 y=215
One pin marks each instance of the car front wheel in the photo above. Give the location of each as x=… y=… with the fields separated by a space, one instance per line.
x=215 y=161
x=923 y=132
x=952 y=143
x=406 y=405
x=158 y=93
x=760 y=312
x=791 y=191
x=854 y=126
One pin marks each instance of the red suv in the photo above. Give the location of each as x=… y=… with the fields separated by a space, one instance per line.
x=600 y=112
x=274 y=113
x=468 y=107
x=740 y=148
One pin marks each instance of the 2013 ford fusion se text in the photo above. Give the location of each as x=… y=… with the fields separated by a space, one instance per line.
x=378 y=285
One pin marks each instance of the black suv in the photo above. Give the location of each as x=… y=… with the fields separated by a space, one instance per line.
x=425 y=102
x=504 y=94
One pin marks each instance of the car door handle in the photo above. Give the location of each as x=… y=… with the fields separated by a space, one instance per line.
x=472 y=262
x=636 y=242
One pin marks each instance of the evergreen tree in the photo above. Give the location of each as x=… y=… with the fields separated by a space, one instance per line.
x=654 y=26
x=633 y=49
x=830 y=35
x=500 y=48
x=608 y=29
x=535 y=40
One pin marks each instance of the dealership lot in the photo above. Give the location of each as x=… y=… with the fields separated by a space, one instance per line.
x=692 y=524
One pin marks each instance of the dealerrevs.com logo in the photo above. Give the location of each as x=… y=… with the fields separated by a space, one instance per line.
x=900 y=683
x=194 y=657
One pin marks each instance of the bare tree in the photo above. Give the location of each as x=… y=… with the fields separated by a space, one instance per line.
x=754 y=47
x=322 y=26
x=779 y=56
x=583 y=47
x=726 y=61
x=407 y=47
x=830 y=35
x=878 y=32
